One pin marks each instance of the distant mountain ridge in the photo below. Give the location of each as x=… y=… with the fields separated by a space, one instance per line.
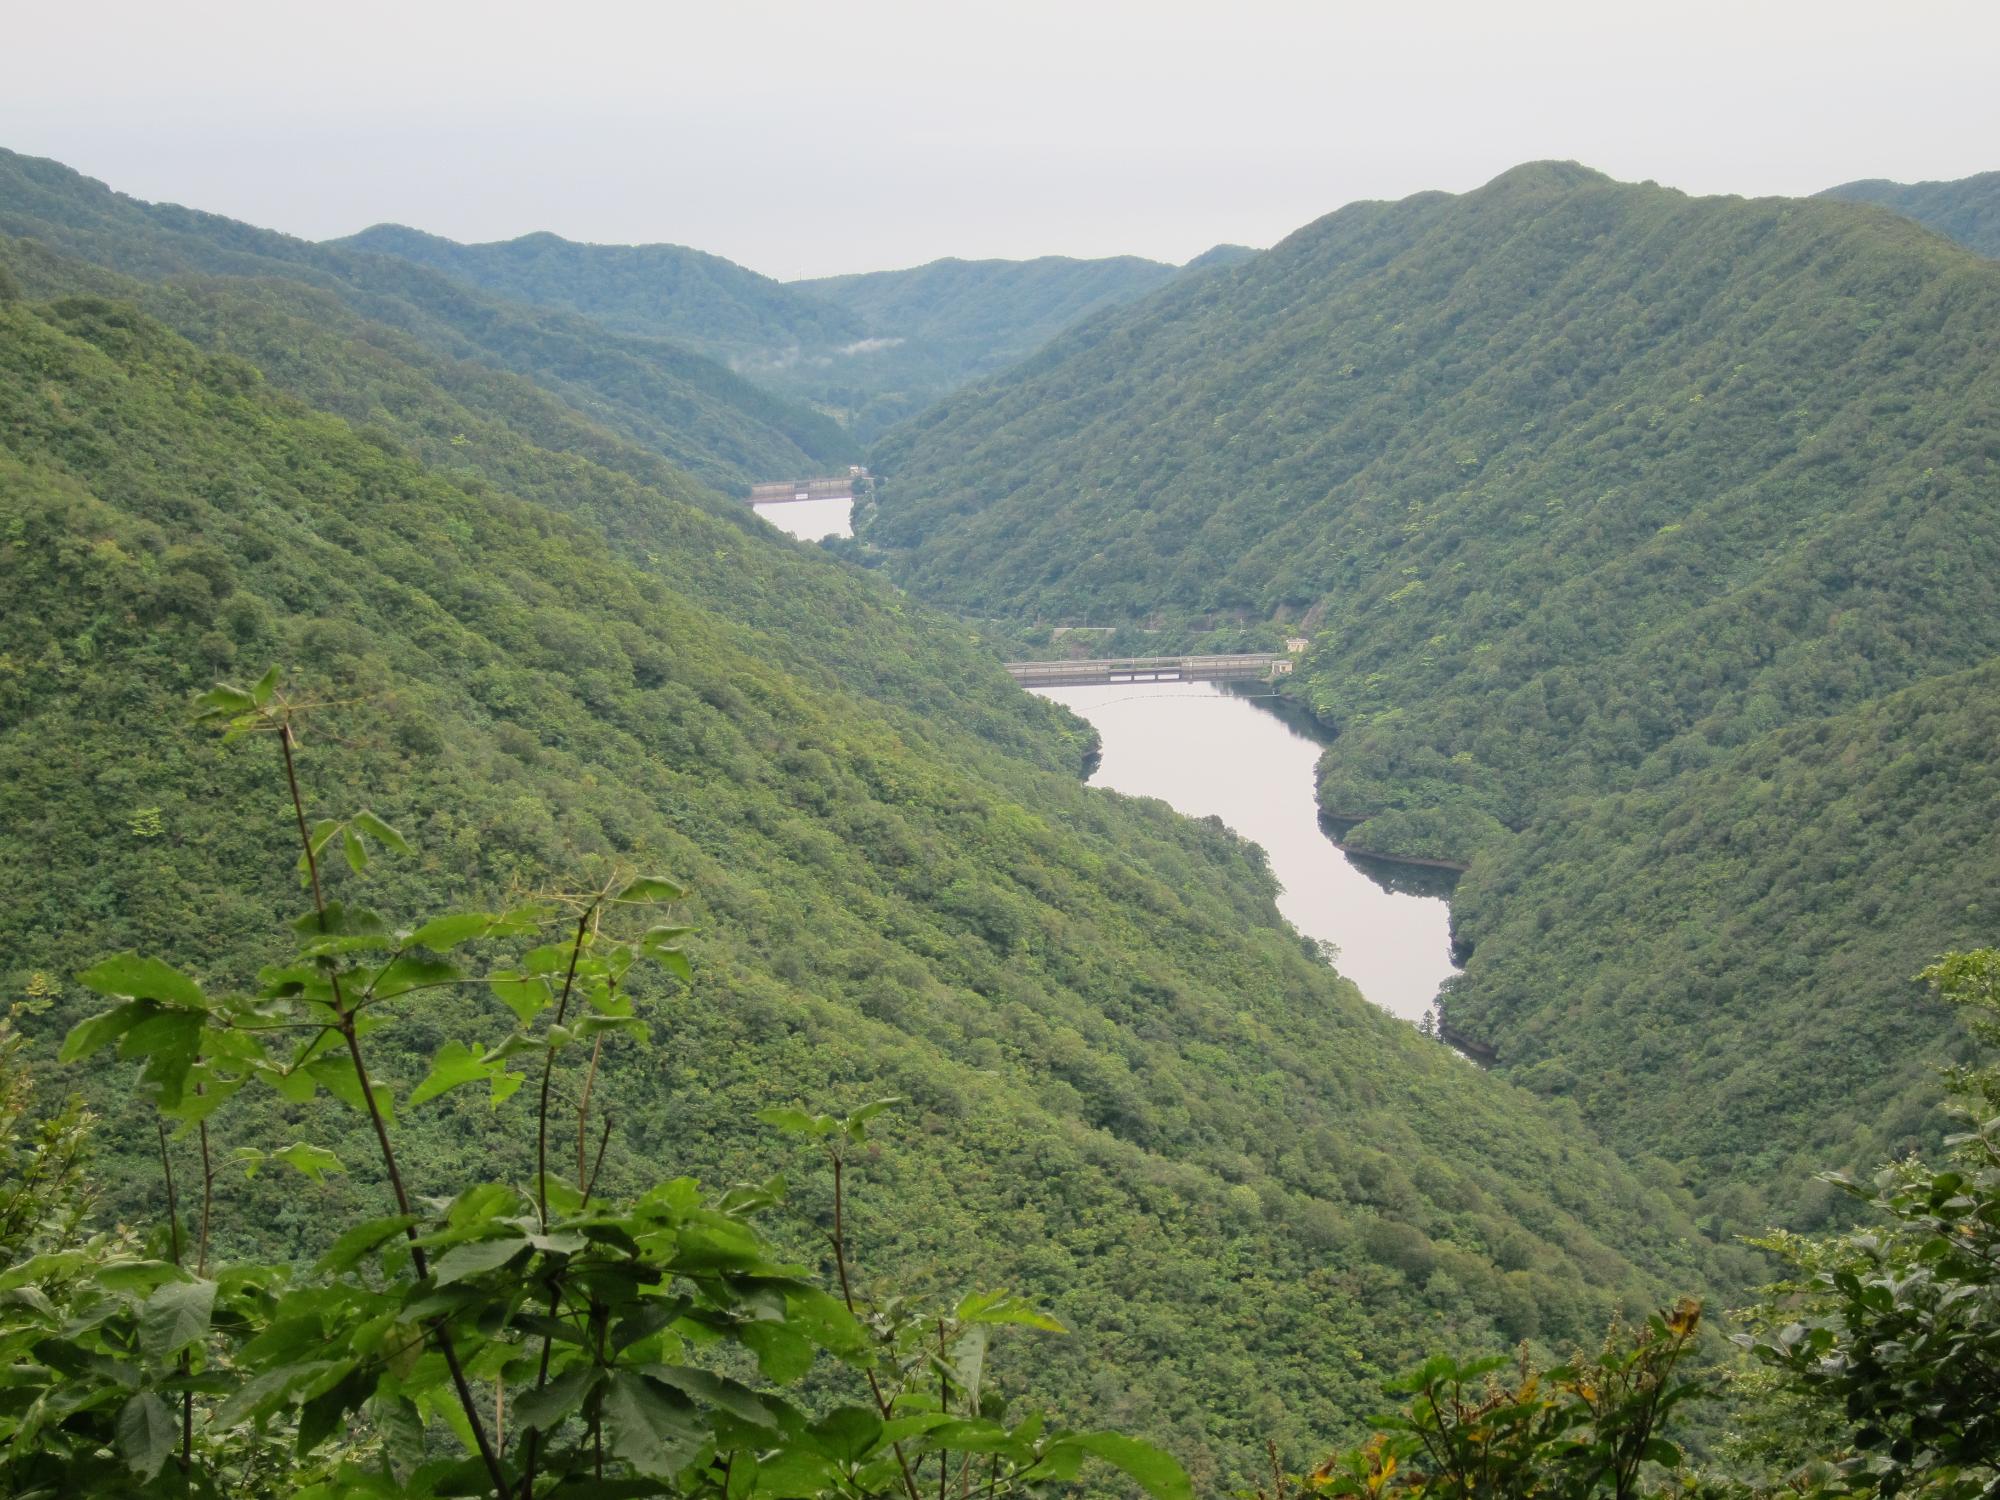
x=1966 y=210
x=655 y=291
x=869 y=349
x=990 y=311
x=679 y=403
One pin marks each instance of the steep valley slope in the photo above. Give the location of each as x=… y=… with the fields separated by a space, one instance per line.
x=1606 y=509
x=652 y=391
x=1134 y=1093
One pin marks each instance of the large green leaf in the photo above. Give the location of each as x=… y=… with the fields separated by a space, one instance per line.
x=847 y=1434
x=335 y=1070
x=314 y=1161
x=547 y=1406
x=655 y=1430
x=719 y=1391
x=147 y=1433
x=410 y=972
x=1004 y=1307
x=798 y=1122
x=526 y=996
x=381 y=832
x=783 y=1353
x=476 y=1257
x=651 y=888
x=127 y=974
x=176 y=1315
x=442 y=933
x=355 y=1243
x=1158 y=1474
x=169 y=1041
x=457 y=1065
x=100 y=1030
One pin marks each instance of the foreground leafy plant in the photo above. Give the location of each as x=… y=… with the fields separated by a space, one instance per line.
x=1581 y=1429
x=1896 y=1327
x=509 y=1339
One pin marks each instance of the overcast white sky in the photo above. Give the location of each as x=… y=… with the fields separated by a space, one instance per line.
x=804 y=139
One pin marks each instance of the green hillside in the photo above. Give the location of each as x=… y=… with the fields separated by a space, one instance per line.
x=1584 y=493
x=667 y=398
x=934 y=327
x=869 y=349
x=988 y=313
x=658 y=291
x=1576 y=484
x=1220 y=255
x=1967 y=210
x=1718 y=971
x=1136 y=1095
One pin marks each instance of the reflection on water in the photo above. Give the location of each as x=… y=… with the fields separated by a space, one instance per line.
x=809 y=520
x=1206 y=751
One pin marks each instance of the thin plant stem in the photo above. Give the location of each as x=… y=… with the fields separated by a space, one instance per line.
x=549 y=1068
x=590 y=1183
x=847 y=1295
x=533 y=1442
x=173 y=1204
x=345 y=1022
x=186 y=1458
x=207 y=1203
x=583 y=1109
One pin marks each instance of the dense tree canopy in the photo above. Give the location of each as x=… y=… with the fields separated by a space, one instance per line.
x=1133 y=1088
x=1579 y=484
x=1584 y=492
x=658 y=394
x=1719 y=970
x=1967 y=210
x=657 y=291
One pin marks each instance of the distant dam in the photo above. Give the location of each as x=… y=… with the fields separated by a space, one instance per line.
x=1251 y=666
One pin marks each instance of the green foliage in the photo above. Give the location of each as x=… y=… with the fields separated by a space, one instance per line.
x=871 y=349
x=1590 y=1427
x=1646 y=547
x=1580 y=484
x=1967 y=210
x=1733 y=949
x=934 y=327
x=654 y=291
x=609 y=1328
x=1895 y=1327
x=1142 y=1103
x=664 y=397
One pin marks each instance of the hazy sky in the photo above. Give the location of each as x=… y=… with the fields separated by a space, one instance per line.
x=803 y=139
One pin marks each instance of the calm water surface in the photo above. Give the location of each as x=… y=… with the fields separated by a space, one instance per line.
x=1206 y=751
x=809 y=520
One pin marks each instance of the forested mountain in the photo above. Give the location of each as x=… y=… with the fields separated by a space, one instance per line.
x=676 y=402
x=869 y=349
x=1578 y=484
x=1220 y=255
x=1718 y=970
x=659 y=291
x=1136 y=1095
x=1584 y=493
x=1967 y=210
x=987 y=313
x=950 y=321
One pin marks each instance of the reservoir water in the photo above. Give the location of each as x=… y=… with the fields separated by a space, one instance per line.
x=809 y=520
x=1206 y=750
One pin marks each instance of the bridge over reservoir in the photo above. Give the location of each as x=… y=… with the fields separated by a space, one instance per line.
x=1251 y=666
